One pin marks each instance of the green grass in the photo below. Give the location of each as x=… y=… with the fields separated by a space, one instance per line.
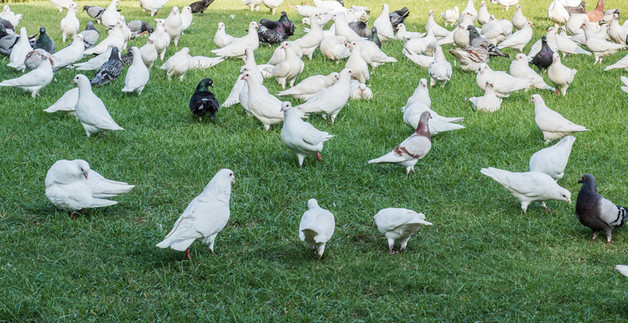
x=483 y=260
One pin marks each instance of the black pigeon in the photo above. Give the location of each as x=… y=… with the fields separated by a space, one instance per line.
x=476 y=40
x=203 y=101
x=596 y=212
x=94 y=11
x=44 y=42
x=90 y=35
x=288 y=26
x=199 y=6
x=139 y=28
x=127 y=58
x=271 y=32
x=545 y=57
x=360 y=28
x=110 y=70
x=375 y=38
x=398 y=16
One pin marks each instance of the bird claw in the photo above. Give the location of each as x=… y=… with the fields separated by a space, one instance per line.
x=319 y=157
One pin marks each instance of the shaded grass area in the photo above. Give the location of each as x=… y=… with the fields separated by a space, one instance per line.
x=482 y=260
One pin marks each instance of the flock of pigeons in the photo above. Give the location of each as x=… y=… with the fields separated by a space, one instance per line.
x=72 y=185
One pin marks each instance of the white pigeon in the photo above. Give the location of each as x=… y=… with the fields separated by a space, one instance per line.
x=310 y=86
x=71 y=185
x=529 y=186
x=221 y=38
x=240 y=91
x=489 y=102
x=520 y=68
x=332 y=99
x=450 y=16
x=398 y=223
x=238 y=47
x=66 y=102
x=437 y=124
x=19 y=51
x=316 y=227
x=137 y=75
x=483 y=14
x=461 y=37
x=439 y=69
x=552 y=124
x=356 y=63
x=62 y=4
x=186 y=18
x=342 y=29
x=261 y=104
x=557 y=13
x=177 y=64
x=152 y=6
x=625 y=86
x=420 y=46
x=372 y=54
x=404 y=34
x=329 y=5
x=622 y=269
x=505 y=84
x=561 y=75
x=616 y=32
x=568 y=46
x=96 y=62
x=149 y=53
x=383 y=25
x=436 y=29
x=496 y=30
x=160 y=38
x=8 y=14
x=468 y=11
x=309 y=11
x=70 y=24
x=90 y=110
x=300 y=136
x=518 y=19
x=110 y=16
x=622 y=63
x=506 y=3
x=421 y=60
x=421 y=94
x=34 y=80
x=70 y=54
x=272 y=5
x=173 y=25
x=203 y=62
x=573 y=25
x=310 y=41
x=288 y=69
x=359 y=91
x=519 y=39
x=333 y=47
x=115 y=38
x=553 y=160
x=205 y=217
x=413 y=148
x=598 y=46
x=253 y=4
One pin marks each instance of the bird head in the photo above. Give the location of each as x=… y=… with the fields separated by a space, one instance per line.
x=423 y=83
x=489 y=84
x=521 y=57
x=530 y=23
x=245 y=76
x=285 y=105
x=42 y=30
x=588 y=179
x=430 y=13
x=399 y=26
x=82 y=167
x=518 y=7
x=555 y=57
x=536 y=99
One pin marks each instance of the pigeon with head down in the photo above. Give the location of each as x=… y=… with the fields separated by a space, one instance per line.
x=596 y=212
x=398 y=224
x=300 y=136
x=316 y=227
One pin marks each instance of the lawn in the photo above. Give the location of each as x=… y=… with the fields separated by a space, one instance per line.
x=482 y=260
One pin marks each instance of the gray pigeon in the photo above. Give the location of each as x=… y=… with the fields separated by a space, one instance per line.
x=7 y=42
x=139 y=27
x=596 y=212
x=90 y=35
x=94 y=11
x=110 y=70
x=44 y=42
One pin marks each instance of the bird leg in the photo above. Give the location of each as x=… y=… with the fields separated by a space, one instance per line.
x=319 y=157
x=391 y=251
x=314 y=249
x=187 y=254
x=319 y=258
x=557 y=91
x=212 y=252
x=595 y=234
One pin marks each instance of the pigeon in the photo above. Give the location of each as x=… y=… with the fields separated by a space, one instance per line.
x=616 y=32
x=308 y=11
x=504 y=83
x=489 y=102
x=332 y=99
x=413 y=148
x=460 y=36
x=622 y=269
x=203 y=102
x=597 y=14
x=552 y=124
x=431 y=25
x=115 y=38
x=152 y=6
x=149 y=53
x=90 y=35
x=94 y=12
x=412 y=116
x=334 y=48
x=44 y=42
x=598 y=46
x=70 y=54
x=361 y=28
x=261 y=104
x=62 y=4
x=476 y=40
x=110 y=70
x=579 y=9
x=506 y=3
x=204 y=217
x=66 y=102
x=519 y=39
x=288 y=69
x=160 y=38
x=529 y=187
x=520 y=68
x=383 y=25
x=272 y=5
x=496 y=30
x=186 y=18
x=19 y=51
x=34 y=58
x=137 y=75
x=310 y=86
x=557 y=13
x=472 y=58
x=372 y=54
x=111 y=16
x=518 y=19
x=95 y=63
x=139 y=28
x=199 y=7
x=90 y=110
x=359 y=91
x=543 y=59
x=271 y=32
x=73 y=186
x=253 y=4
x=316 y=227
x=421 y=94
x=356 y=63
x=221 y=38
x=596 y=212
x=625 y=85
x=404 y=34
x=203 y=62
x=34 y=80
x=177 y=64
x=174 y=25
x=374 y=37
x=553 y=160
x=483 y=15
x=561 y=75
x=70 y=24
x=450 y=16
x=398 y=223
x=238 y=46
x=300 y=136
x=310 y=41
x=568 y=46
x=398 y=16
x=439 y=69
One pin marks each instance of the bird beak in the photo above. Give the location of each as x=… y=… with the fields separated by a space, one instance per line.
x=531 y=99
x=233 y=182
x=85 y=176
x=569 y=201
x=580 y=181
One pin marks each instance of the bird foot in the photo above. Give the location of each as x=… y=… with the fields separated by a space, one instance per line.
x=187 y=255
x=558 y=92
x=212 y=252
x=319 y=157
x=548 y=210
